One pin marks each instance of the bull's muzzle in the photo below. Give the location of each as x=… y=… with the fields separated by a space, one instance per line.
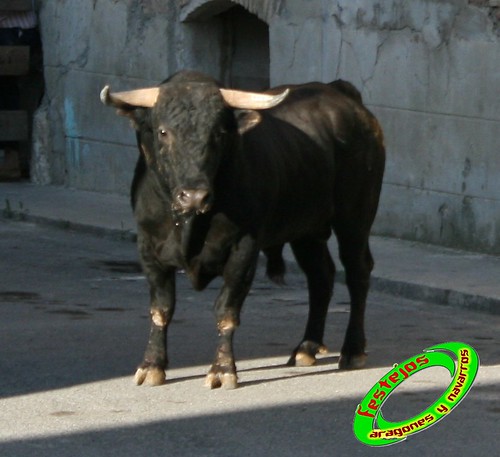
x=192 y=200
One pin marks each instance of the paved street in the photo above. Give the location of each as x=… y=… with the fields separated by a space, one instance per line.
x=74 y=323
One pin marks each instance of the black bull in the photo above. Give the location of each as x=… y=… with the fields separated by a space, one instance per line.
x=225 y=174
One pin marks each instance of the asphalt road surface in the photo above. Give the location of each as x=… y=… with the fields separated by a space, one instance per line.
x=74 y=324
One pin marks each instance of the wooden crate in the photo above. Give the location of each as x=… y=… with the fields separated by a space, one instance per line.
x=16 y=5
x=14 y=126
x=14 y=60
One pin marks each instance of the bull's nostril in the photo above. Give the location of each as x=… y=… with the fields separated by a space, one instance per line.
x=184 y=196
x=193 y=199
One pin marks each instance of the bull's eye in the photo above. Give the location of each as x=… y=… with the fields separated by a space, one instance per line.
x=162 y=134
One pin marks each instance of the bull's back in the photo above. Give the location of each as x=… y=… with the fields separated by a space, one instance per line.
x=283 y=181
x=308 y=154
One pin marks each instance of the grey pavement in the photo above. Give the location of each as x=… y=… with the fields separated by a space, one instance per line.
x=404 y=268
x=74 y=324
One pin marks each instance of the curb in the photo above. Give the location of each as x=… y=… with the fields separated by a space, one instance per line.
x=435 y=295
x=61 y=224
x=407 y=290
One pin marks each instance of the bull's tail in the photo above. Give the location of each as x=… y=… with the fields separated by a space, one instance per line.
x=275 y=268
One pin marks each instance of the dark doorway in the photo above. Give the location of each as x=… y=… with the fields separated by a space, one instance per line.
x=245 y=50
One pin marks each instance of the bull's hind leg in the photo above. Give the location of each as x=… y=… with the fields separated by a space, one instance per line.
x=356 y=257
x=314 y=259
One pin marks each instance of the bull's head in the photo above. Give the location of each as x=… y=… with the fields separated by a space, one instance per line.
x=185 y=128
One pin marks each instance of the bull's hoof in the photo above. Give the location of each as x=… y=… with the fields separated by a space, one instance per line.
x=150 y=376
x=215 y=380
x=352 y=362
x=305 y=354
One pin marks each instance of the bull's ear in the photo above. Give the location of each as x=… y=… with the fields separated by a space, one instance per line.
x=247 y=120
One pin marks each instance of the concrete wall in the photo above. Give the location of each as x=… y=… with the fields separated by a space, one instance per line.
x=87 y=45
x=429 y=69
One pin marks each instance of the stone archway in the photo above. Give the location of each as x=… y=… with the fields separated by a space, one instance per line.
x=192 y=10
x=239 y=37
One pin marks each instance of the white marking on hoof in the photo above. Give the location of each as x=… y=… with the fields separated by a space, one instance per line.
x=216 y=380
x=304 y=359
x=150 y=376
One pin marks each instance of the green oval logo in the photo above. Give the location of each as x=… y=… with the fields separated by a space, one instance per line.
x=370 y=426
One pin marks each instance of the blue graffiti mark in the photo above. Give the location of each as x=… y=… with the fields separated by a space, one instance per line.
x=71 y=134
x=73 y=152
x=70 y=119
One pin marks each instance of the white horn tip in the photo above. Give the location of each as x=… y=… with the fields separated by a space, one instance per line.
x=282 y=96
x=105 y=95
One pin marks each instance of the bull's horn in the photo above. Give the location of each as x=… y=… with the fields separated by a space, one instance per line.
x=144 y=98
x=252 y=100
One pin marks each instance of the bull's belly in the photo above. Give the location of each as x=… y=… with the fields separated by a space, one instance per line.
x=296 y=225
x=202 y=250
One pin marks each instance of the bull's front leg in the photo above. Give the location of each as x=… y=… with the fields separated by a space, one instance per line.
x=238 y=274
x=162 y=305
x=151 y=371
